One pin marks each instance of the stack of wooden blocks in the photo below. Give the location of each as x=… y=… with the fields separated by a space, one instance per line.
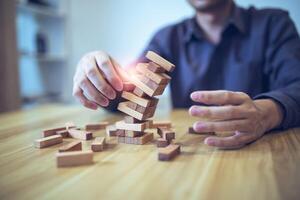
x=150 y=81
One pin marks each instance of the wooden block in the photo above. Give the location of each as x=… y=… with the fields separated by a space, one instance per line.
x=144 y=87
x=120 y=133
x=74 y=158
x=166 y=133
x=53 y=131
x=138 y=92
x=146 y=110
x=70 y=125
x=127 y=86
x=73 y=146
x=152 y=66
x=96 y=126
x=154 y=86
x=132 y=105
x=156 y=77
x=132 y=120
x=169 y=152
x=139 y=100
x=160 y=142
x=147 y=137
x=48 y=141
x=111 y=130
x=98 y=144
x=131 y=127
x=63 y=133
x=133 y=133
x=160 y=61
x=192 y=131
x=123 y=107
x=165 y=123
x=80 y=134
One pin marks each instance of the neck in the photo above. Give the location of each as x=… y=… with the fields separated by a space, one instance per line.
x=212 y=22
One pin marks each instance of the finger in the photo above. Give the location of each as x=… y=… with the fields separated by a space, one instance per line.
x=219 y=97
x=96 y=78
x=236 y=141
x=223 y=126
x=218 y=112
x=121 y=72
x=78 y=94
x=105 y=65
x=92 y=93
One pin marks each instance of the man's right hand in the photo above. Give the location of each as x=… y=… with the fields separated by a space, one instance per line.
x=97 y=80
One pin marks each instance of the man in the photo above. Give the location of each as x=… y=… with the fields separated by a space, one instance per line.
x=238 y=67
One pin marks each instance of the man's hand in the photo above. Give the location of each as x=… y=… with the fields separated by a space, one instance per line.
x=236 y=112
x=97 y=79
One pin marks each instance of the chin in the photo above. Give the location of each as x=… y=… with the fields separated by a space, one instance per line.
x=207 y=5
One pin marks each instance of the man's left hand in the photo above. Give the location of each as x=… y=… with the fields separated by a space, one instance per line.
x=234 y=111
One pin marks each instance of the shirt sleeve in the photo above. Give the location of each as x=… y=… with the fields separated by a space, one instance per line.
x=283 y=68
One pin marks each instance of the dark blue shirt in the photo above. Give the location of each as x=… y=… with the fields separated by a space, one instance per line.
x=259 y=54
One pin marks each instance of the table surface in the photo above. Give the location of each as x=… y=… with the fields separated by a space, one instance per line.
x=266 y=169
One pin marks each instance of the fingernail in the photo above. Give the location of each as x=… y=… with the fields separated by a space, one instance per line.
x=195 y=95
x=209 y=141
x=199 y=126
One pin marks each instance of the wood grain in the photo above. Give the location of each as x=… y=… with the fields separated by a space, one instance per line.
x=266 y=169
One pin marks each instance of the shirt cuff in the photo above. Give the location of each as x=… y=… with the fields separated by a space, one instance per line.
x=287 y=104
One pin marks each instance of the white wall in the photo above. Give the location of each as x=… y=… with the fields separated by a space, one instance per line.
x=123 y=27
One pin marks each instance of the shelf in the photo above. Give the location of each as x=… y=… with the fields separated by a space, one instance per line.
x=40 y=10
x=45 y=57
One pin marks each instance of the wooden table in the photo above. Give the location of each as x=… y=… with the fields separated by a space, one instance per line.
x=267 y=169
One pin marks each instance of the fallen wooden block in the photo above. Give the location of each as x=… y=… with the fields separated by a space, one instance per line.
x=70 y=125
x=169 y=152
x=73 y=146
x=161 y=78
x=160 y=61
x=53 y=131
x=145 y=102
x=48 y=141
x=166 y=133
x=131 y=127
x=74 y=158
x=152 y=66
x=161 y=142
x=166 y=124
x=80 y=134
x=98 y=144
x=192 y=131
x=63 y=133
x=96 y=126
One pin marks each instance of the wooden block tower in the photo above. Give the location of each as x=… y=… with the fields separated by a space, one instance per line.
x=140 y=105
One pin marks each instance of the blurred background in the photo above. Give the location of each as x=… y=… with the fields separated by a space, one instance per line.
x=41 y=41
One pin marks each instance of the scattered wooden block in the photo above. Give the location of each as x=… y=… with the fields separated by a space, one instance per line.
x=152 y=66
x=139 y=100
x=131 y=127
x=53 y=131
x=160 y=142
x=70 y=125
x=160 y=61
x=166 y=124
x=123 y=107
x=80 y=134
x=74 y=158
x=169 y=152
x=63 y=133
x=98 y=144
x=111 y=130
x=96 y=126
x=73 y=146
x=48 y=141
x=138 y=92
x=157 y=78
x=165 y=133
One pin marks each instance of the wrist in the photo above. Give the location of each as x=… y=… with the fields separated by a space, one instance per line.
x=271 y=113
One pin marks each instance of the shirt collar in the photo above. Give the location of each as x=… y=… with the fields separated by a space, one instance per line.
x=236 y=19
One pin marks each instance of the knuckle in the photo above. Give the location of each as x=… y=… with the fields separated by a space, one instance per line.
x=83 y=82
x=91 y=72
